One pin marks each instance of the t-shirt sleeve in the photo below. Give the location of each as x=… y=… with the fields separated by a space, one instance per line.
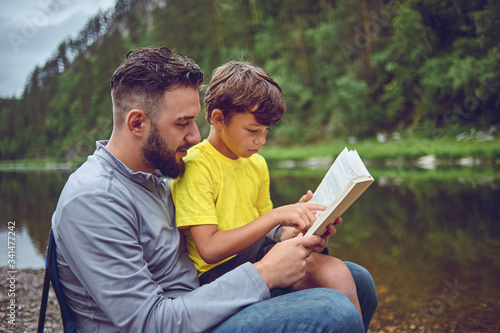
x=264 y=203
x=194 y=196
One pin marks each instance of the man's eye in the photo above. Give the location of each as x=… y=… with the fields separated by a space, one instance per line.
x=252 y=131
x=183 y=124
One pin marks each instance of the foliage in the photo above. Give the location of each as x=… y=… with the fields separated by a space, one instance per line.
x=347 y=68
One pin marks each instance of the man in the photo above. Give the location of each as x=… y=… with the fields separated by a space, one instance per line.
x=121 y=260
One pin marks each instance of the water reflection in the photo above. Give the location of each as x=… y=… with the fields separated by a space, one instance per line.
x=29 y=198
x=431 y=239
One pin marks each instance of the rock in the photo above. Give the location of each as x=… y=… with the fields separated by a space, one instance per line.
x=26 y=296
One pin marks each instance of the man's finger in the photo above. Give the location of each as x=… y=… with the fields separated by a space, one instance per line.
x=309 y=241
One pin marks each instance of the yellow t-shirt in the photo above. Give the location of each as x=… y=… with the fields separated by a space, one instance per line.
x=218 y=190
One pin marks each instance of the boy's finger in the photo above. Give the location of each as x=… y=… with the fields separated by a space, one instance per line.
x=308 y=195
x=312 y=206
x=300 y=224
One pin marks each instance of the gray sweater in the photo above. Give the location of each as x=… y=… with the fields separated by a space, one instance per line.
x=123 y=263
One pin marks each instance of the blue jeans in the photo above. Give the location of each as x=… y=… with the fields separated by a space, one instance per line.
x=313 y=310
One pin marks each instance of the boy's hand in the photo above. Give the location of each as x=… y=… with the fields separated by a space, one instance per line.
x=306 y=197
x=299 y=215
x=285 y=263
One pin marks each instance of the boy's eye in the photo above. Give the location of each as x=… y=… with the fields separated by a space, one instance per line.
x=252 y=131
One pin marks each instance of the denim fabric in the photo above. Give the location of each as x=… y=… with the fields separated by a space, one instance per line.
x=314 y=310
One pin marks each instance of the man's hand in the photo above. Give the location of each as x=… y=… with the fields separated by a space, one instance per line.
x=285 y=264
x=330 y=231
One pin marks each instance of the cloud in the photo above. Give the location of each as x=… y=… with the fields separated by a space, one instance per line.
x=30 y=32
x=43 y=13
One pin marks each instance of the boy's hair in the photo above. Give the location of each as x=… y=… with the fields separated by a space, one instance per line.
x=141 y=81
x=237 y=87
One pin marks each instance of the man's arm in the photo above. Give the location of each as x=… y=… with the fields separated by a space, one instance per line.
x=215 y=245
x=101 y=246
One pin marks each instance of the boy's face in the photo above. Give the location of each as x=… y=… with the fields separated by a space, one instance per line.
x=242 y=136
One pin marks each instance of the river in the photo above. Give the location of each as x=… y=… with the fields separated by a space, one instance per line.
x=430 y=238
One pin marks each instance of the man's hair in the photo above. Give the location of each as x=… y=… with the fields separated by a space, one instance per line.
x=237 y=87
x=141 y=81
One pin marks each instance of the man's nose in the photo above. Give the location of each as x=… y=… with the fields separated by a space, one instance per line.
x=194 y=135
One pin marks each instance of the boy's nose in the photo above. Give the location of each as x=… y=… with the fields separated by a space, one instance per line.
x=260 y=140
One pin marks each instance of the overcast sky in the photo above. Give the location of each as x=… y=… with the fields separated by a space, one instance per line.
x=31 y=31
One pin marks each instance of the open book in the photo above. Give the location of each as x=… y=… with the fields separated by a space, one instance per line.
x=344 y=182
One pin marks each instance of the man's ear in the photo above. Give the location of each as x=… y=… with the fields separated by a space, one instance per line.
x=217 y=118
x=137 y=122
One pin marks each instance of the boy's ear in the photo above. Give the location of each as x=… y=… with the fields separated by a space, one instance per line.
x=217 y=117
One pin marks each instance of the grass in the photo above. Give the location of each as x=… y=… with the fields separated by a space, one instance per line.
x=412 y=148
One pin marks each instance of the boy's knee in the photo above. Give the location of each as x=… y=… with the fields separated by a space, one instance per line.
x=340 y=268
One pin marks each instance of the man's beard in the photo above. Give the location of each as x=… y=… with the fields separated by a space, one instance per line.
x=157 y=155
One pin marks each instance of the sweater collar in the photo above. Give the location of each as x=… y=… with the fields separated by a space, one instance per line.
x=137 y=176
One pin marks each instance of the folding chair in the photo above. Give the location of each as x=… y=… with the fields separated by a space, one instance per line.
x=51 y=276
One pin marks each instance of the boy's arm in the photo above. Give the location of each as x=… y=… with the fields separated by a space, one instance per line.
x=214 y=245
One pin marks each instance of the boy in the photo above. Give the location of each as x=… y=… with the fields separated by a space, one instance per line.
x=226 y=219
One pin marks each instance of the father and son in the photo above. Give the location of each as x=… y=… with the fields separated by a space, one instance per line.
x=134 y=218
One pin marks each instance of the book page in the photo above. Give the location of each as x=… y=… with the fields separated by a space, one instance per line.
x=337 y=177
x=358 y=163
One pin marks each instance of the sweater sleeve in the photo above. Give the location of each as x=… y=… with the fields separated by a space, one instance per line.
x=98 y=237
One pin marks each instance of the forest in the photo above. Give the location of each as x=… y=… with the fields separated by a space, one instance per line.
x=348 y=68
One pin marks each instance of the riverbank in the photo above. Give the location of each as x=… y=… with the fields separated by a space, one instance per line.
x=27 y=293
x=409 y=152
x=390 y=315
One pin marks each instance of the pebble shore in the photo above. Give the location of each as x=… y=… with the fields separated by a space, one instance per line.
x=390 y=316
x=24 y=289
